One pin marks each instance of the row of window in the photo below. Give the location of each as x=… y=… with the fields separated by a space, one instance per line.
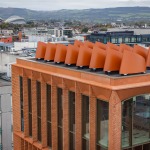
x=118 y=39
x=135 y=119
x=102 y=117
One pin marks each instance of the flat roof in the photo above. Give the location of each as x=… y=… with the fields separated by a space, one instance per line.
x=86 y=69
x=4 y=83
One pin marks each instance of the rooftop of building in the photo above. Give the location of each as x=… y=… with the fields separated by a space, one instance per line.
x=106 y=65
x=97 y=78
x=4 y=83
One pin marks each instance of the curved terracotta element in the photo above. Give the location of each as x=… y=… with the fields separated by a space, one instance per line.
x=132 y=63
x=101 y=45
x=84 y=56
x=60 y=53
x=148 y=58
x=78 y=43
x=97 y=58
x=89 y=44
x=50 y=52
x=40 y=51
x=113 y=60
x=72 y=54
x=141 y=51
x=124 y=47
x=112 y=46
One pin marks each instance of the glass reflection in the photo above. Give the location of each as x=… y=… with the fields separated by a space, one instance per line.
x=136 y=121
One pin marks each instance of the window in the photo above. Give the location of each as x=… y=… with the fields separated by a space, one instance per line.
x=102 y=124
x=85 y=122
x=38 y=94
x=30 y=107
x=60 y=118
x=136 y=122
x=21 y=103
x=72 y=119
x=49 y=132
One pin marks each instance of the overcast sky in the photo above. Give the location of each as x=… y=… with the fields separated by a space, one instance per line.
x=71 y=4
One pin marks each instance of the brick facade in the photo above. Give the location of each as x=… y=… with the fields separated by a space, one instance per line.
x=111 y=90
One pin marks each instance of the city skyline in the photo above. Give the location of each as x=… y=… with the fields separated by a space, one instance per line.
x=67 y=4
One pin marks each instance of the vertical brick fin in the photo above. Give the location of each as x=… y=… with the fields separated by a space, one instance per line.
x=34 y=111
x=78 y=119
x=92 y=122
x=43 y=114
x=54 y=117
x=17 y=142
x=114 y=122
x=25 y=105
x=16 y=100
x=65 y=118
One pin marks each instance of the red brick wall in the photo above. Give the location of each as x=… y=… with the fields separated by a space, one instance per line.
x=113 y=97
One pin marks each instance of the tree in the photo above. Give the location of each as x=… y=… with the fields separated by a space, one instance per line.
x=84 y=30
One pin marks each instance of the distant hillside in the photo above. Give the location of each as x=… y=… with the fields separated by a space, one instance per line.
x=95 y=15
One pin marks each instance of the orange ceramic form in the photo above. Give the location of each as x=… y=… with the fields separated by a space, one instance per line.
x=72 y=54
x=60 y=54
x=112 y=46
x=50 y=52
x=89 y=44
x=113 y=60
x=97 y=58
x=124 y=47
x=40 y=51
x=141 y=51
x=132 y=63
x=84 y=56
x=78 y=43
x=101 y=45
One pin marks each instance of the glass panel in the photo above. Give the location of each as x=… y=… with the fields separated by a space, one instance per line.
x=141 y=119
x=85 y=144
x=72 y=111
x=60 y=107
x=146 y=146
x=30 y=124
x=136 y=121
x=39 y=129
x=85 y=116
x=38 y=87
x=138 y=148
x=98 y=147
x=48 y=103
x=127 y=123
x=49 y=135
x=49 y=132
x=21 y=103
x=22 y=120
x=30 y=107
x=29 y=95
x=60 y=138
x=102 y=122
x=72 y=141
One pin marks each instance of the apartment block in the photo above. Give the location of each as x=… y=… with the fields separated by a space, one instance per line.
x=86 y=96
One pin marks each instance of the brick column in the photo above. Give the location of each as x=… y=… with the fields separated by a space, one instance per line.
x=78 y=120
x=54 y=117
x=43 y=114
x=65 y=119
x=114 y=122
x=17 y=142
x=92 y=122
x=34 y=111
x=16 y=101
x=25 y=105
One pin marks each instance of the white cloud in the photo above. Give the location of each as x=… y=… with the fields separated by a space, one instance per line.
x=69 y=4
